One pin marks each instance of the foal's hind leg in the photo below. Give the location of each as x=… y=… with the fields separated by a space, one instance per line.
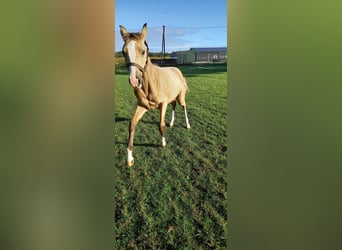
x=139 y=112
x=186 y=117
x=173 y=114
x=162 y=108
x=181 y=101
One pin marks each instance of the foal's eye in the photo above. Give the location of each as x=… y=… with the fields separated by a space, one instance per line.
x=143 y=52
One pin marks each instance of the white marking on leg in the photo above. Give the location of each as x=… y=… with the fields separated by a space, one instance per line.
x=130 y=159
x=163 y=141
x=186 y=119
x=172 y=118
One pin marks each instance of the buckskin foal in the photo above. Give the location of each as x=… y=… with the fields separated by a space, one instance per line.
x=155 y=87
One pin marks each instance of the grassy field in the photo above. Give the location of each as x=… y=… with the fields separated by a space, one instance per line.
x=174 y=197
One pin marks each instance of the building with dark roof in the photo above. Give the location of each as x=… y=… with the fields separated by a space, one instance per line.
x=201 y=55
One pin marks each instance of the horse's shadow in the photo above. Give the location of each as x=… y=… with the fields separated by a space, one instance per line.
x=152 y=145
x=121 y=119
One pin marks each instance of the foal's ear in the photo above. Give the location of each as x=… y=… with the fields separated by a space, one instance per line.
x=144 y=31
x=123 y=31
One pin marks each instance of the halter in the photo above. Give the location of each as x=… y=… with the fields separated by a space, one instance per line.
x=142 y=69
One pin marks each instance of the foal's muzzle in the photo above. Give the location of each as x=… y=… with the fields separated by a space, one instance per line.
x=135 y=80
x=136 y=77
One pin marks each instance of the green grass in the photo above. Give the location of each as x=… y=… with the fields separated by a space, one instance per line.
x=174 y=197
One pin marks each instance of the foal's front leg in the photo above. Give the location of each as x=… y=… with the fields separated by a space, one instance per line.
x=139 y=112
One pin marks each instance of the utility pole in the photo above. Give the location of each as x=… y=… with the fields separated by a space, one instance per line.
x=163 y=46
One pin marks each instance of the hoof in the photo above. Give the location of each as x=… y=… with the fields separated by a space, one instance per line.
x=130 y=163
x=163 y=142
x=188 y=126
x=171 y=125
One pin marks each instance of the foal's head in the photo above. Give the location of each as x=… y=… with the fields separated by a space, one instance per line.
x=135 y=50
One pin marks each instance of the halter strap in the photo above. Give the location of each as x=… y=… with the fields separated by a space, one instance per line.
x=136 y=65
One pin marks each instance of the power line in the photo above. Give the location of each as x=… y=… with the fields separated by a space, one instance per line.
x=199 y=27
x=180 y=27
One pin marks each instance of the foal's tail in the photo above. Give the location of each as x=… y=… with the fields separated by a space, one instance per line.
x=185 y=86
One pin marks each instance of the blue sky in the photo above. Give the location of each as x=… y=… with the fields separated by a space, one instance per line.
x=188 y=23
